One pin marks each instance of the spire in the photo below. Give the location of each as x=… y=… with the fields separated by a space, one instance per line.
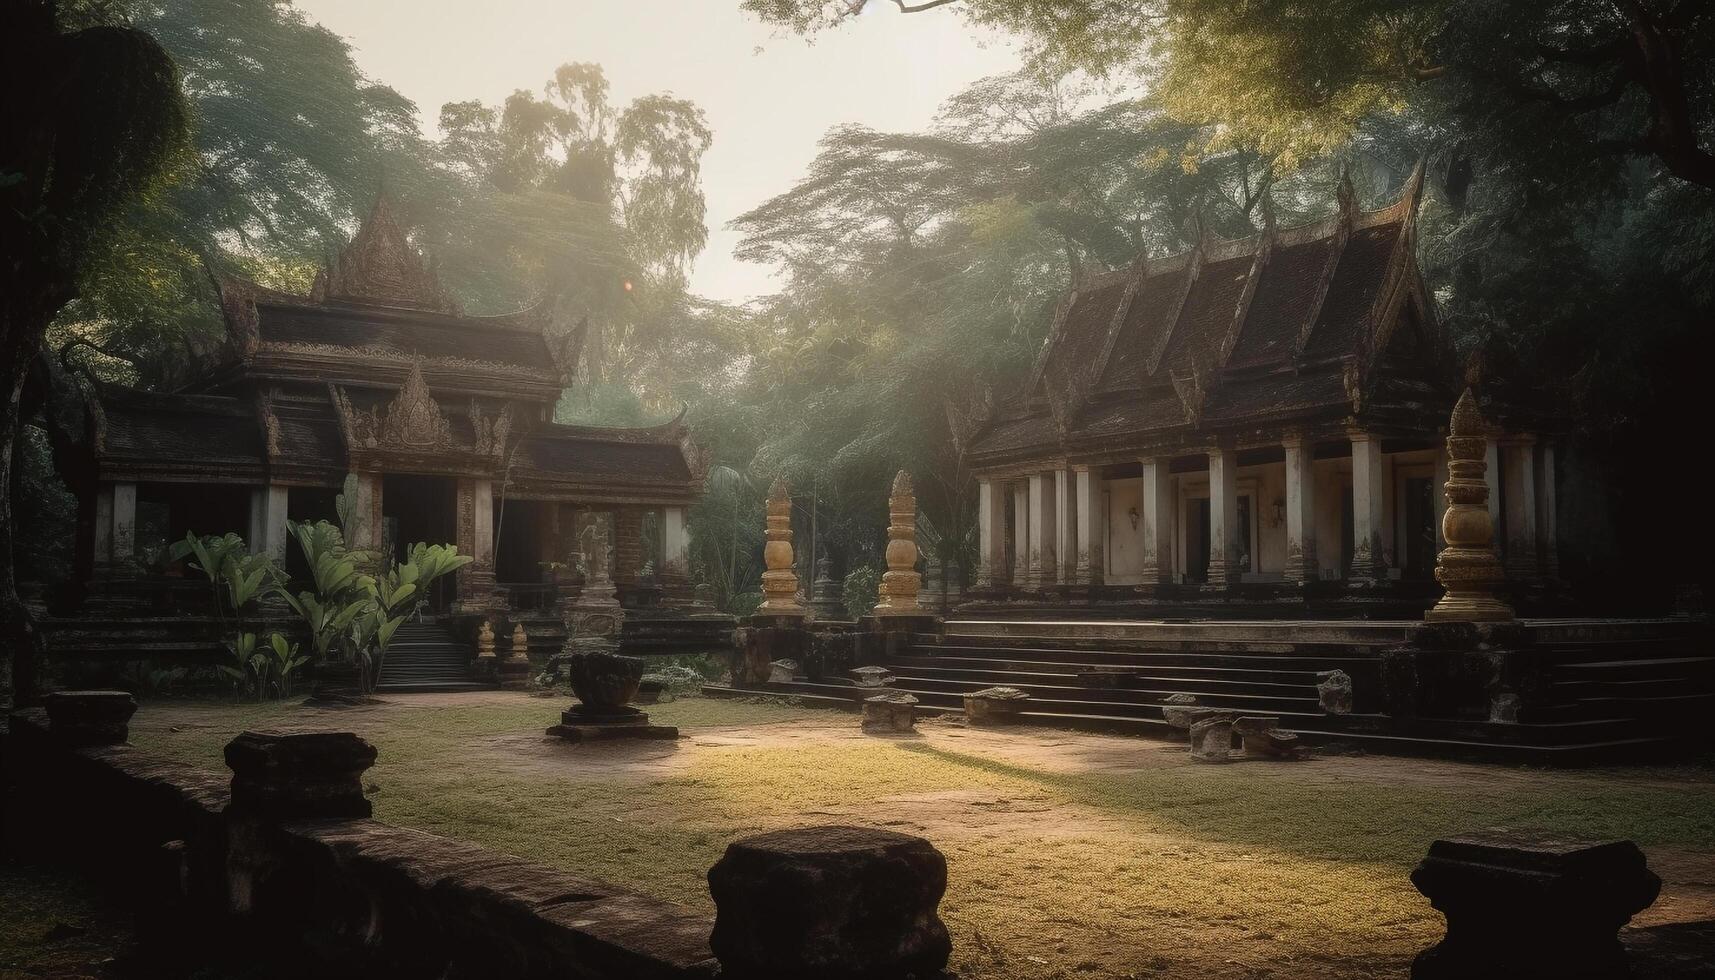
x=380 y=266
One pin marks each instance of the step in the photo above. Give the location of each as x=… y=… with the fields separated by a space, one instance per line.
x=1129 y=686
x=1123 y=658
x=1221 y=674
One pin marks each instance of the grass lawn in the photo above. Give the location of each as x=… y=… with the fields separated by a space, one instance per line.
x=1070 y=855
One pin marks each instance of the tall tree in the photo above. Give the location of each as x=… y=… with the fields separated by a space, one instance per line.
x=93 y=116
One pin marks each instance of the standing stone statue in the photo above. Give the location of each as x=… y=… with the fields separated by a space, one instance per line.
x=901 y=583
x=1467 y=567
x=829 y=602
x=594 y=618
x=780 y=581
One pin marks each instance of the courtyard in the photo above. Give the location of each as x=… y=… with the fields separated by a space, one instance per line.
x=1070 y=855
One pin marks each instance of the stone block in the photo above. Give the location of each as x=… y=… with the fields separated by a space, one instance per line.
x=1525 y=904
x=1261 y=736
x=81 y=718
x=871 y=676
x=783 y=672
x=894 y=711
x=1212 y=738
x=834 y=903
x=994 y=705
x=756 y=648
x=1334 y=690
x=290 y=775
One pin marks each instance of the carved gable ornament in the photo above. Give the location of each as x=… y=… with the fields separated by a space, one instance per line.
x=413 y=422
x=380 y=266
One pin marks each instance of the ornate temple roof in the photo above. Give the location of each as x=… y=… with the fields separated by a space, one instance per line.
x=377 y=309
x=1326 y=322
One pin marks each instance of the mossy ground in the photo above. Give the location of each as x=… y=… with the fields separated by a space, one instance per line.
x=1070 y=855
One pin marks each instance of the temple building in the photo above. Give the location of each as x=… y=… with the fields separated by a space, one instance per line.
x=435 y=425
x=1260 y=418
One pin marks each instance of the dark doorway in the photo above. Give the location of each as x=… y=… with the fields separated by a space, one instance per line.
x=1419 y=528
x=420 y=509
x=1348 y=534
x=1197 y=541
x=307 y=505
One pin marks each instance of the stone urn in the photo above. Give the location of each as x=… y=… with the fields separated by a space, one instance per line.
x=605 y=683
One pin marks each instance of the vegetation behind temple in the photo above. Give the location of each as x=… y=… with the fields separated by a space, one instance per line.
x=921 y=270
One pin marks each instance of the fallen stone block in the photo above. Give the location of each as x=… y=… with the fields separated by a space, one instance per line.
x=1212 y=739
x=871 y=676
x=1334 y=690
x=1261 y=736
x=834 y=903
x=1531 y=904
x=994 y=705
x=86 y=718
x=894 y=711
x=783 y=671
x=292 y=775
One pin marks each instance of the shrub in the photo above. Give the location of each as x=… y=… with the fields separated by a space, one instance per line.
x=862 y=589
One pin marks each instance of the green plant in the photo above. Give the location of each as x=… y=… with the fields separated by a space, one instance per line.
x=265 y=672
x=393 y=596
x=235 y=577
x=862 y=588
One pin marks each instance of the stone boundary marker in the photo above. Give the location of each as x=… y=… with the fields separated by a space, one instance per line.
x=830 y=903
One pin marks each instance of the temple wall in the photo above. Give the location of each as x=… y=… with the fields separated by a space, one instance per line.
x=1124 y=545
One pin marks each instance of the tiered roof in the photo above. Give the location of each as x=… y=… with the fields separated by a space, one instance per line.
x=1327 y=324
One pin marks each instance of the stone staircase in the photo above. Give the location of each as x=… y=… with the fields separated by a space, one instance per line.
x=427 y=657
x=1623 y=690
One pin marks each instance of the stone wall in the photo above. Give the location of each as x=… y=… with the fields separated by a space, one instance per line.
x=335 y=896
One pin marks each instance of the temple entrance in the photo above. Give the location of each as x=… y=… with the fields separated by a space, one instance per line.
x=420 y=509
x=1197 y=540
x=1419 y=540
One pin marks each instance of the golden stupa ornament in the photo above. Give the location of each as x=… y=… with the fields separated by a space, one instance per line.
x=1467 y=567
x=780 y=581
x=901 y=583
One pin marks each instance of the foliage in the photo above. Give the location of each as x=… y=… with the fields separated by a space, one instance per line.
x=861 y=590
x=236 y=578
x=265 y=672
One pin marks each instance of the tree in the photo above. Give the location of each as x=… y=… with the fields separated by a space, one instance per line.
x=93 y=119
x=1297 y=79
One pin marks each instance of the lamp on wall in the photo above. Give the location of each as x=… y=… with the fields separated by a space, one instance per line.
x=1131 y=513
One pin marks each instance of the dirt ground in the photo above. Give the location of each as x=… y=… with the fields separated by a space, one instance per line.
x=1070 y=855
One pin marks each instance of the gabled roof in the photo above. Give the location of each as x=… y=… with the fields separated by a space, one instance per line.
x=1284 y=324
x=377 y=309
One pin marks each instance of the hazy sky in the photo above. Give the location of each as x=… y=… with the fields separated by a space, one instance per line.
x=768 y=97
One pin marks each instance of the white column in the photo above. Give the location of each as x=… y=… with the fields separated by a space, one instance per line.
x=1301 y=565
x=1547 y=531
x=123 y=546
x=675 y=542
x=1224 y=567
x=1042 y=530
x=1157 y=523
x=1021 y=534
x=268 y=521
x=1368 y=501
x=1065 y=528
x=1438 y=493
x=363 y=526
x=991 y=531
x=1519 y=478
x=1092 y=529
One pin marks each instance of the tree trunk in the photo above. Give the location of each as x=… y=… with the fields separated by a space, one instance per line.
x=19 y=341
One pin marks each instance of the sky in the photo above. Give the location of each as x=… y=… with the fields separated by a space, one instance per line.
x=769 y=96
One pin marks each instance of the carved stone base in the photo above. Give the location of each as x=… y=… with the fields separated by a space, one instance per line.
x=577 y=724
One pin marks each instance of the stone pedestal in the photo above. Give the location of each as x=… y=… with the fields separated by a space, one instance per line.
x=1212 y=738
x=1262 y=737
x=994 y=705
x=834 y=903
x=81 y=718
x=606 y=684
x=1522 y=904
x=294 y=775
x=890 y=713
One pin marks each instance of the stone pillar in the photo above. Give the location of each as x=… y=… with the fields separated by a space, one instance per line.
x=1092 y=529
x=1042 y=531
x=1547 y=532
x=1065 y=528
x=363 y=528
x=1518 y=460
x=476 y=592
x=675 y=575
x=628 y=546
x=1492 y=476
x=1301 y=564
x=122 y=538
x=1369 y=491
x=268 y=521
x=1157 y=523
x=1021 y=535
x=991 y=535
x=103 y=542
x=1224 y=567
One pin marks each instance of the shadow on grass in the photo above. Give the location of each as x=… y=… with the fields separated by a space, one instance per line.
x=1363 y=820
